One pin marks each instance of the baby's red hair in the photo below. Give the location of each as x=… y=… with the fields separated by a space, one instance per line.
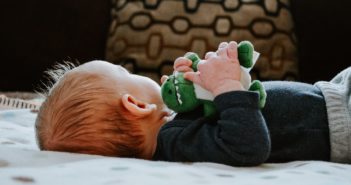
x=82 y=113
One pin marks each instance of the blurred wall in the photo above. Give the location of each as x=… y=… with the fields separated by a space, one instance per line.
x=36 y=34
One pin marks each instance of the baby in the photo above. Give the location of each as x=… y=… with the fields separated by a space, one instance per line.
x=101 y=108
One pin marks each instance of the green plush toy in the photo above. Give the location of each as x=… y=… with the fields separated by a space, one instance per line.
x=182 y=95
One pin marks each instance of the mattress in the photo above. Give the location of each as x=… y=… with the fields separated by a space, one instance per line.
x=21 y=162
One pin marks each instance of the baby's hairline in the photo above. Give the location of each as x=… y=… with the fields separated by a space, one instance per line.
x=62 y=71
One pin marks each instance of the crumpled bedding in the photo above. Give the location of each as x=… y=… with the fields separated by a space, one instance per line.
x=21 y=162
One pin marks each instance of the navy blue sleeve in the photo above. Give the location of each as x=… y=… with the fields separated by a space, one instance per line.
x=237 y=137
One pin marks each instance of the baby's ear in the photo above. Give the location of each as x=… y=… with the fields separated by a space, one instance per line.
x=136 y=107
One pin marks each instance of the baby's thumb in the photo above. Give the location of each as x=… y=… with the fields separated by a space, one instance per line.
x=193 y=76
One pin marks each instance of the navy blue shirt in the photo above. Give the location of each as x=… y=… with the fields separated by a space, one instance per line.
x=292 y=126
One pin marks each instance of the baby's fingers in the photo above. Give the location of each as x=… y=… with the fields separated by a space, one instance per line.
x=193 y=76
x=184 y=69
x=222 y=49
x=181 y=62
x=232 y=51
x=210 y=54
x=164 y=78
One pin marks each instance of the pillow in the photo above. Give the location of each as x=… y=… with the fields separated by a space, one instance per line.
x=147 y=36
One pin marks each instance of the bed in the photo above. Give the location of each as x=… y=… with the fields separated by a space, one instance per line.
x=21 y=162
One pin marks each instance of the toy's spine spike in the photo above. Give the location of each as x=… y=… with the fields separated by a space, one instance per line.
x=178 y=95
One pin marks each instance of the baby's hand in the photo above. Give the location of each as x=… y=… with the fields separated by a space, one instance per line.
x=181 y=64
x=220 y=71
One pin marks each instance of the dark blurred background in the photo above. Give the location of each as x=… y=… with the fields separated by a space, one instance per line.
x=36 y=34
x=323 y=30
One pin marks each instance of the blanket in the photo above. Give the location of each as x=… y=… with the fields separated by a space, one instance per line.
x=21 y=162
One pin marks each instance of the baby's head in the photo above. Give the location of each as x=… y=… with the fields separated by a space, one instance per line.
x=100 y=108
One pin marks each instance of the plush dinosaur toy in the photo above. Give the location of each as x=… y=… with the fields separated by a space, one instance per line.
x=182 y=95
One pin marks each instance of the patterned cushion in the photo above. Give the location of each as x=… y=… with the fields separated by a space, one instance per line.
x=147 y=36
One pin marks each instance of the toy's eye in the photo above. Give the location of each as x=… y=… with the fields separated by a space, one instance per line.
x=170 y=91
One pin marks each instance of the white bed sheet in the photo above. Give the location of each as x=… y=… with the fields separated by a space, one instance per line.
x=22 y=163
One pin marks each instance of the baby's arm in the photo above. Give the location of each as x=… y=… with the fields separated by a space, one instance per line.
x=239 y=137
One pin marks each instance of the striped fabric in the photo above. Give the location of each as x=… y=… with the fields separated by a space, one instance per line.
x=15 y=103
